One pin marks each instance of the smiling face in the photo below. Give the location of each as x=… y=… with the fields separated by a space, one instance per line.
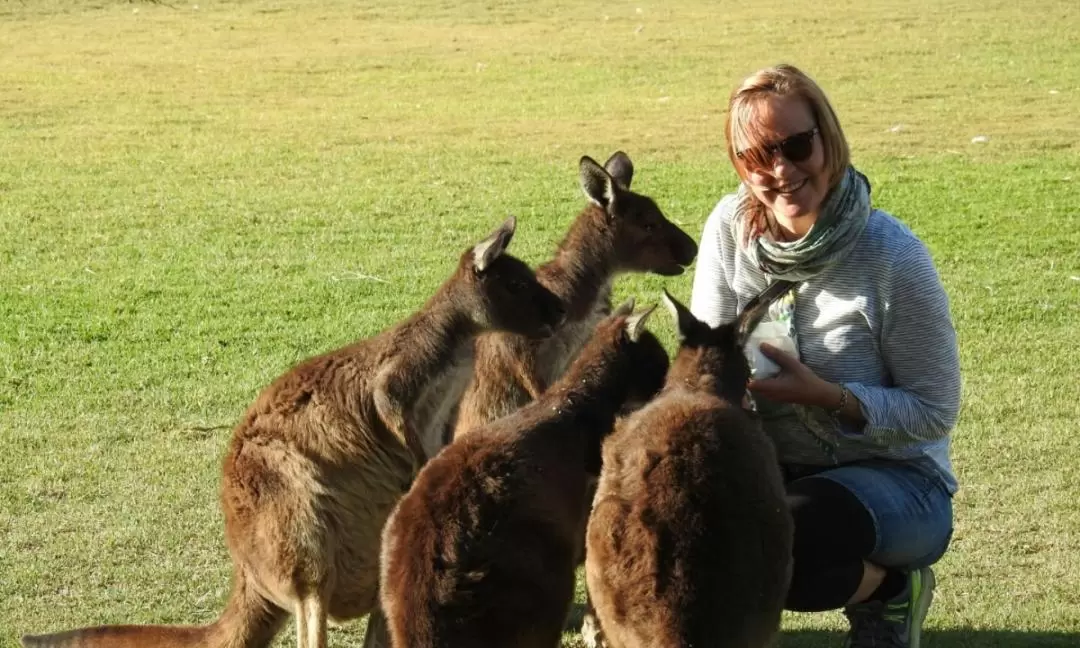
x=791 y=188
x=788 y=177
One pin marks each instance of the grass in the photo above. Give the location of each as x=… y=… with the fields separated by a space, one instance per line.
x=194 y=197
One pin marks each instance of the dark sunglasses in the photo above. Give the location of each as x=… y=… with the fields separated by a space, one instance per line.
x=796 y=148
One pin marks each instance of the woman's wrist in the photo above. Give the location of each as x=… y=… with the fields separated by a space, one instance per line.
x=840 y=403
x=833 y=397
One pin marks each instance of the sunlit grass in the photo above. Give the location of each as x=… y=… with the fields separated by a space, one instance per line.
x=193 y=199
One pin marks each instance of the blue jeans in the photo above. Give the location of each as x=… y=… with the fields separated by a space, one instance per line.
x=910 y=507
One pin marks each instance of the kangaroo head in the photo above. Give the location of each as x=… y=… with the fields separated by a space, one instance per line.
x=645 y=240
x=502 y=293
x=708 y=358
x=622 y=337
x=627 y=358
x=649 y=360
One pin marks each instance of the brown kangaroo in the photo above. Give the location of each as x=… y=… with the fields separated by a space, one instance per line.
x=618 y=231
x=321 y=457
x=481 y=551
x=689 y=541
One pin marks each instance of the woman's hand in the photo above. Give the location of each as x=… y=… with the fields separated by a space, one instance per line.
x=795 y=383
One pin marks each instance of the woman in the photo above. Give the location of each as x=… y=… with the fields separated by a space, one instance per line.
x=861 y=414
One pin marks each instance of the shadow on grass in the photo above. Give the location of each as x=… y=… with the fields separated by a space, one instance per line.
x=930 y=638
x=942 y=639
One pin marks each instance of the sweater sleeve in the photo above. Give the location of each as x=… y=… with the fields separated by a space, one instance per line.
x=712 y=299
x=918 y=344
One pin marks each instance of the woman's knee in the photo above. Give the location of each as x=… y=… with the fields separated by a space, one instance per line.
x=911 y=511
x=831 y=525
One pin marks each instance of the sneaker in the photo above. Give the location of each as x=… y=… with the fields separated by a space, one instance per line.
x=896 y=623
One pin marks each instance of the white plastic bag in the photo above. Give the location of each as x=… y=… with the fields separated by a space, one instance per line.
x=776 y=334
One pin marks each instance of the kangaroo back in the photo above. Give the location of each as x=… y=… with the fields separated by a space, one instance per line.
x=689 y=541
x=481 y=551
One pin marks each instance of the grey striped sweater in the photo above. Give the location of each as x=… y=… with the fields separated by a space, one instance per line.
x=877 y=322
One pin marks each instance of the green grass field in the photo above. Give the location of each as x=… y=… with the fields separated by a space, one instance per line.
x=195 y=197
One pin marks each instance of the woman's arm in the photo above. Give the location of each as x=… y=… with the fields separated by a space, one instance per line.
x=918 y=346
x=712 y=300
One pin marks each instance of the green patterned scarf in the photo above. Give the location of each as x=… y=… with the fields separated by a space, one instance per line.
x=842 y=219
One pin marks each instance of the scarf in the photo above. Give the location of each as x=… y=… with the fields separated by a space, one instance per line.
x=842 y=219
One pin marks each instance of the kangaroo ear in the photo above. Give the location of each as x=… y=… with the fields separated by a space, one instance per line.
x=620 y=168
x=624 y=308
x=756 y=309
x=684 y=319
x=635 y=324
x=597 y=183
x=486 y=251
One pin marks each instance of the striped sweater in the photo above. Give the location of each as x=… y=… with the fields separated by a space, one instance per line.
x=877 y=322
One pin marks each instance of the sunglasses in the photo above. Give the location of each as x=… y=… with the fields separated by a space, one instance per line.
x=796 y=148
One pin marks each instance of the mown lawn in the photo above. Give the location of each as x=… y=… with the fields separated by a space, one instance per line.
x=193 y=197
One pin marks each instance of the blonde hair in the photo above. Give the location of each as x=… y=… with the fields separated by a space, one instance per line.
x=743 y=131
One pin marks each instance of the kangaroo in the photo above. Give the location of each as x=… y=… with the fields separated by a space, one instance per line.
x=689 y=541
x=482 y=550
x=618 y=231
x=318 y=461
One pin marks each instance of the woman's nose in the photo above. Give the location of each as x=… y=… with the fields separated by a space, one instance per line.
x=780 y=164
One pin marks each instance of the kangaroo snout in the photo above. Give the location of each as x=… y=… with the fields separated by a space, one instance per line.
x=680 y=253
x=685 y=248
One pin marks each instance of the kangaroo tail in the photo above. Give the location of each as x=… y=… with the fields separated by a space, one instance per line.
x=249 y=621
x=122 y=636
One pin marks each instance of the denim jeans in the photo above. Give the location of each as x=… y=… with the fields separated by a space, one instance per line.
x=910 y=507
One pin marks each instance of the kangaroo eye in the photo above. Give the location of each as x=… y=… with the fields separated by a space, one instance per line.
x=649 y=226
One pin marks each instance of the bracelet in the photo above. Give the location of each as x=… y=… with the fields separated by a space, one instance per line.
x=843 y=400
